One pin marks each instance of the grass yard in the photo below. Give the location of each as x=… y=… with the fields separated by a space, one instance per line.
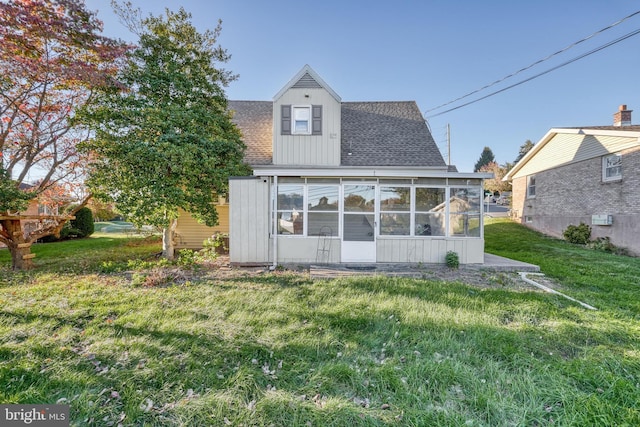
x=279 y=349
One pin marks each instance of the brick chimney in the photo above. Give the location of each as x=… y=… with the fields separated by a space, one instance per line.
x=622 y=117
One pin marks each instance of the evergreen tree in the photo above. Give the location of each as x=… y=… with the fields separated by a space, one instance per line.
x=524 y=149
x=166 y=142
x=485 y=158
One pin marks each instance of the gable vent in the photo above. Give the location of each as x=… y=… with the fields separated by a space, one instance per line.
x=307 y=82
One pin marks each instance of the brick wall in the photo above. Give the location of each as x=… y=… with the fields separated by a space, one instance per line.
x=571 y=194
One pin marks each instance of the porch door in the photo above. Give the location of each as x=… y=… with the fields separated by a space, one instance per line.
x=358 y=223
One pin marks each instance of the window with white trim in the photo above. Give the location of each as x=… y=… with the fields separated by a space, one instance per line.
x=322 y=205
x=430 y=212
x=464 y=211
x=301 y=120
x=612 y=167
x=395 y=210
x=531 y=186
x=290 y=209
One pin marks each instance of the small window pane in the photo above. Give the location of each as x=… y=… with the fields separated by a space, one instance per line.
x=290 y=197
x=430 y=199
x=323 y=198
x=322 y=224
x=393 y=224
x=395 y=198
x=301 y=118
x=531 y=186
x=430 y=224
x=290 y=222
x=465 y=224
x=359 y=198
x=464 y=207
x=612 y=167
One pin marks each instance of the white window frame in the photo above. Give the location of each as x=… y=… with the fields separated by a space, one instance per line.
x=294 y=109
x=606 y=165
x=529 y=186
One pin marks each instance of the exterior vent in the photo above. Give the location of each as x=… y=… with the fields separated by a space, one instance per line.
x=307 y=82
x=601 y=219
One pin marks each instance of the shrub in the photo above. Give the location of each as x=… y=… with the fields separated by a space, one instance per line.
x=452 y=259
x=578 y=234
x=83 y=222
x=604 y=244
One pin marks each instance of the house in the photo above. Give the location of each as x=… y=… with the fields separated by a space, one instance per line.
x=35 y=215
x=586 y=174
x=343 y=182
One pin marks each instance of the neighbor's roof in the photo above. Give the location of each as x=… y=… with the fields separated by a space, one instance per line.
x=632 y=131
x=375 y=133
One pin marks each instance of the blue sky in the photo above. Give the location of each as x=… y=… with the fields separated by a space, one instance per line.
x=433 y=52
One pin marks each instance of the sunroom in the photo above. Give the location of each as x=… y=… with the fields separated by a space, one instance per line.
x=363 y=219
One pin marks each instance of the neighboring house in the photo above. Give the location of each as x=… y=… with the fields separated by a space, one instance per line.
x=34 y=210
x=343 y=182
x=589 y=174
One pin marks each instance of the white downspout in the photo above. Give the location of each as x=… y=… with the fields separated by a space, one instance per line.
x=274 y=223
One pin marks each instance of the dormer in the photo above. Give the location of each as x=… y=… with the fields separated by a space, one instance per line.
x=306 y=122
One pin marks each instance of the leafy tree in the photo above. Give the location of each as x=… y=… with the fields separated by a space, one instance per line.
x=51 y=60
x=167 y=142
x=524 y=149
x=486 y=157
x=12 y=199
x=496 y=184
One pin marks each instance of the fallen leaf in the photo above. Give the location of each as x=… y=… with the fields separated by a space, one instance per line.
x=146 y=405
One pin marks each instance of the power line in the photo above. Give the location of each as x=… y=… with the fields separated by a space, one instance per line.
x=533 y=64
x=618 y=40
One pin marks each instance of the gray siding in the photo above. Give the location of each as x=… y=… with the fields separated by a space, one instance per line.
x=249 y=221
x=321 y=149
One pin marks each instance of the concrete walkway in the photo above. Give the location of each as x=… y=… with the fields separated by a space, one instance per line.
x=491 y=263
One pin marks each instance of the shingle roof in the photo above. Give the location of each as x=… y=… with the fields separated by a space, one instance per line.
x=255 y=121
x=387 y=134
x=630 y=128
x=375 y=133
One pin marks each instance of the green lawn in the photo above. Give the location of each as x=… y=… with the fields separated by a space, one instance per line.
x=282 y=350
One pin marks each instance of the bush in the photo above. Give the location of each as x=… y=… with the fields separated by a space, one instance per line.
x=452 y=259
x=578 y=234
x=83 y=222
x=604 y=244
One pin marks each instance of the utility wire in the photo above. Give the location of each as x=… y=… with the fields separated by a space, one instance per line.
x=611 y=43
x=533 y=64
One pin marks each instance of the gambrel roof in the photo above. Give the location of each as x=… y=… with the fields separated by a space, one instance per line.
x=386 y=133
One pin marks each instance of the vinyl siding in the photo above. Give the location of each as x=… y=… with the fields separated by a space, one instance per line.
x=249 y=226
x=308 y=150
x=431 y=251
x=191 y=234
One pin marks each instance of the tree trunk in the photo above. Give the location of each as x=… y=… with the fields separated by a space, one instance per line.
x=168 y=235
x=20 y=248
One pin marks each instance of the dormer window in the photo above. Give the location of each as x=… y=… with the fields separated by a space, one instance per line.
x=301 y=120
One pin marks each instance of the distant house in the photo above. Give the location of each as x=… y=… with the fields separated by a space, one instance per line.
x=585 y=174
x=343 y=182
x=35 y=209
